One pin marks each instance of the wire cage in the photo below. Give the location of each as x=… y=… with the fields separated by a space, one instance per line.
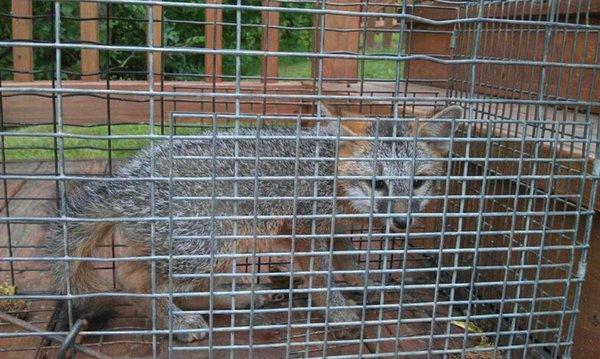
x=259 y=124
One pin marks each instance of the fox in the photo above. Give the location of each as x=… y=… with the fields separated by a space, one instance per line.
x=284 y=181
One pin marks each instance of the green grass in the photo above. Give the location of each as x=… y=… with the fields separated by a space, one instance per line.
x=38 y=142
x=382 y=69
x=40 y=147
x=295 y=68
x=373 y=69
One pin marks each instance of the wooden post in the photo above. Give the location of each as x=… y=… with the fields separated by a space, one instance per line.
x=336 y=41
x=388 y=25
x=90 y=59
x=370 y=35
x=22 y=30
x=270 y=41
x=157 y=39
x=213 y=37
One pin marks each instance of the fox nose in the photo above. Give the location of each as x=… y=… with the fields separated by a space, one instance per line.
x=400 y=223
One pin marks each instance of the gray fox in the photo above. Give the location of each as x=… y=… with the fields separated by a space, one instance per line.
x=294 y=188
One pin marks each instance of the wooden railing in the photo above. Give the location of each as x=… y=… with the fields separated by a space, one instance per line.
x=90 y=59
x=341 y=35
x=22 y=29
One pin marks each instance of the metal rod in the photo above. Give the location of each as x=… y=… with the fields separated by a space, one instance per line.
x=53 y=337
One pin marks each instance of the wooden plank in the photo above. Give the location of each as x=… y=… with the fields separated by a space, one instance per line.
x=90 y=59
x=341 y=35
x=370 y=33
x=11 y=187
x=434 y=11
x=388 y=24
x=384 y=6
x=512 y=150
x=520 y=81
x=537 y=8
x=434 y=43
x=22 y=30
x=213 y=36
x=560 y=259
x=270 y=42
x=157 y=39
x=588 y=320
x=88 y=109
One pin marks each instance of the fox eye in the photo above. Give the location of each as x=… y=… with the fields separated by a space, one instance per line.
x=418 y=183
x=379 y=184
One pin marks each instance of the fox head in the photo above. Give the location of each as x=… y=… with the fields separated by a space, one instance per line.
x=394 y=166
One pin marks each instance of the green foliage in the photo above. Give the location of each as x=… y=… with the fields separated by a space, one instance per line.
x=183 y=27
x=296 y=35
x=127 y=26
x=5 y=30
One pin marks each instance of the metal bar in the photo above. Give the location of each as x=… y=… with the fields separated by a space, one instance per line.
x=79 y=325
x=55 y=338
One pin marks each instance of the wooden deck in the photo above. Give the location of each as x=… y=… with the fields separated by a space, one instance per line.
x=36 y=198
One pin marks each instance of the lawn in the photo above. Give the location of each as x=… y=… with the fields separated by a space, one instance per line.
x=295 y=68
x=373 y=69
x=41 y=147
x=38 y=142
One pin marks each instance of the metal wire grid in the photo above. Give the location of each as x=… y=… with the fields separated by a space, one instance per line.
x=551 y=305
x=516 y=272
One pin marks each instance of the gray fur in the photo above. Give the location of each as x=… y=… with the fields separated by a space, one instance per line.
x=131 y=199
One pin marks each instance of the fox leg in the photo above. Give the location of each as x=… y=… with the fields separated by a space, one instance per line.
x=180 y=321
x=339 y=311
x=243 y=300
x=135 y=277
x=224 y=301
x=349 y=262
x=243 y=283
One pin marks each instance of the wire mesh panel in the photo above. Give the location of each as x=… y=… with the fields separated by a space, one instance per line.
x=296 y=178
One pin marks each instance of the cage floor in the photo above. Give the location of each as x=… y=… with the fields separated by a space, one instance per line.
x=32 y=198
x=377 y=338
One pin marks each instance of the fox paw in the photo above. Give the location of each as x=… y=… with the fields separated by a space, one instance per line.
x=191 y=323
x=261 y=299
x=189 y=337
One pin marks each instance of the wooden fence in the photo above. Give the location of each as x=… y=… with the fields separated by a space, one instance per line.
x=341 y=34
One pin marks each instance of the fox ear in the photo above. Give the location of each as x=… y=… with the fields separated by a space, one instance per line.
x=355 y=127
x=441 y=129
x=451 y=112
x=346 y=131
x=347 y=127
